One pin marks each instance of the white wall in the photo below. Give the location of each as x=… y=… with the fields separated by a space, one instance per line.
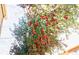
x=13 y=13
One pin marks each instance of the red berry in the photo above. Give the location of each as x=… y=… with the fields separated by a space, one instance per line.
x=39 y=37
x=66 y=17
x=32 y=34
x=36 y=24
x=33 y=31
x=37 y=45
x=43 y=42
x=53 y=20
x=40 y=40
x=45 y=37
x=29 y=23
x=35 y=41
x=47 y=23
x=42 y=30
x=44 y=17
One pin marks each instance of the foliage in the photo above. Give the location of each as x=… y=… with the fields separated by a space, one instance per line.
x=45 y=22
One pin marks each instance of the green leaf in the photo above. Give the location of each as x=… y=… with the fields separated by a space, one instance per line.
x=35 y=36
x=39 y=19
x=38 y=30
x=33 y=20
